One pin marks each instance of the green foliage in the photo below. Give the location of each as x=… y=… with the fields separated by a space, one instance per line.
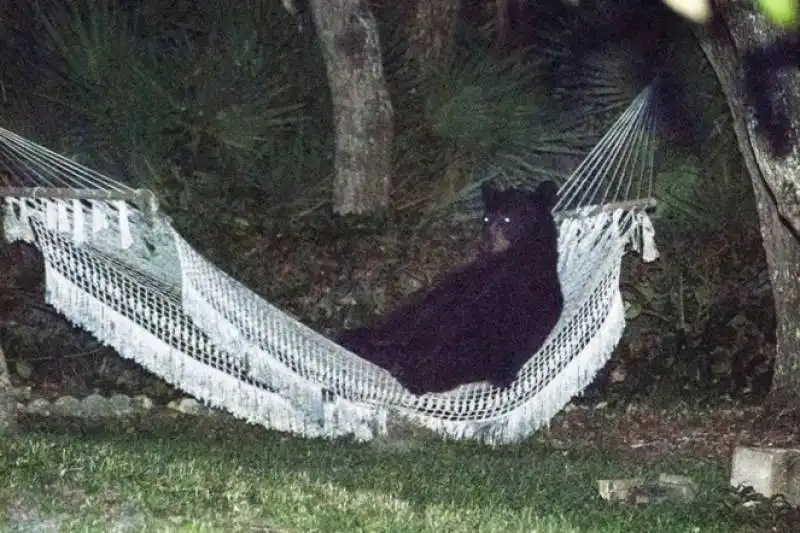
x=228 y=103
x=480 y=115
x=706 y=186
x=91 y=37
x=782 y=12
x=693 y=197
x=484 y=105
x=701 y=319
x=702 y=182
x=108 y=80
x=203 y=102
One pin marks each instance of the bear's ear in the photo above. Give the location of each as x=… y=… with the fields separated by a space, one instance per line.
x=546 y=194
x=488 y=193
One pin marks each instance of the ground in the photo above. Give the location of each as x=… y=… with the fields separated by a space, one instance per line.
x=650 y=435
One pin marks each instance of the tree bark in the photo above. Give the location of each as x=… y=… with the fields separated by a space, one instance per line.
x=8 y=405
x=362 y=110
x=776 y=183
x=502 y=25
x=430 y=34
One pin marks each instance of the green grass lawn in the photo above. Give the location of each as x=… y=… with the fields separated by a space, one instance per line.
x=186 y=474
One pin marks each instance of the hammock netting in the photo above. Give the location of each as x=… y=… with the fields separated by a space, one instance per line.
x=117 y=268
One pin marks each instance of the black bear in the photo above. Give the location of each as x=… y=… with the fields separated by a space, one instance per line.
x=483 y=322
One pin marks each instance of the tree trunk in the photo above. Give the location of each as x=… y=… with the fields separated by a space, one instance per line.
x=776 y=183
x=502 y=26
x=362 y=110
x=430 y=34
x=8 y=405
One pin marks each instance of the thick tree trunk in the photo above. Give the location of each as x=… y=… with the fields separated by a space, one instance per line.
x=362 y=110
x=776 y=183
x=8 y=405
x=430 y=34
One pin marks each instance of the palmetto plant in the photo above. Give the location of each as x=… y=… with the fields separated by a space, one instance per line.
x=197 y=97
x=581 y=67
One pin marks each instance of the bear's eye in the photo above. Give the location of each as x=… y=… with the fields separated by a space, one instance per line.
x=507 y=220
x=486 y=219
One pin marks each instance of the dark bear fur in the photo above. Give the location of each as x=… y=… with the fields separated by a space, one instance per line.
x=483 y=322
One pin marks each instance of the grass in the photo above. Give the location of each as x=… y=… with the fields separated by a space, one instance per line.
x=186 y=475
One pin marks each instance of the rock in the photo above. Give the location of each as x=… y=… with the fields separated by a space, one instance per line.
x=39 y=406
x=769 y=471
x=68 y=406
x=188 y=406
x=120 y=405
x=21 y=394
x=668 y=488
x=142 y=402
x=23 y=369
x=94 y=406
x=678 y=488
x=618 y=490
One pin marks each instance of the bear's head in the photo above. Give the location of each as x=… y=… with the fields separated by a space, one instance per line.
x=515 y=214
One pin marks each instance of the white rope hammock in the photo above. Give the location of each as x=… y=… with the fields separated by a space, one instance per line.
x=117 y=268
